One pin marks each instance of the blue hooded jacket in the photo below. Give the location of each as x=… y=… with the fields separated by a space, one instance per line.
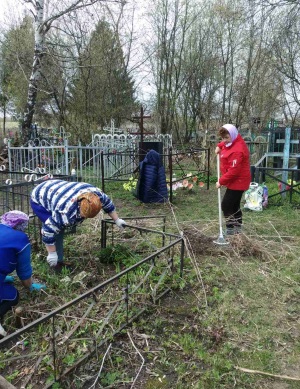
x=152 y=184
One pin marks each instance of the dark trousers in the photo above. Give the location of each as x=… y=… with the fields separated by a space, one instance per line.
x=231 y=207
x=6 y=306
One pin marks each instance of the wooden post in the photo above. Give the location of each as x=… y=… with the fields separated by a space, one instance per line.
x=19 y=311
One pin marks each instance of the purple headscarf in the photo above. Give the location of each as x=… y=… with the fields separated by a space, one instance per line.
x=15 y=219
x=233 y=132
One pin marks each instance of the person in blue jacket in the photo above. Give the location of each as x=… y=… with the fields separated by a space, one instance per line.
x=15 y=251
x=152 y=183
x=60 y=204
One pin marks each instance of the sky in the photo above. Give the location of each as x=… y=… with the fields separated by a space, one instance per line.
x=10 y=12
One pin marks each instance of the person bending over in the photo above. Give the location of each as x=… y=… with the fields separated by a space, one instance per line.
x=60 y=204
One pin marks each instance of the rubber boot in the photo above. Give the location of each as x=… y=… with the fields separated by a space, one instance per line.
x=238 y=229
x=230 y=231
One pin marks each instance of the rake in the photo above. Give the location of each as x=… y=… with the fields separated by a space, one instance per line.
x=221 y=240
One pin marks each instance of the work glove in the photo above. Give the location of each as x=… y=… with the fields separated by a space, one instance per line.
x=52 y=258
x=120 y=223
x=37 y=287
x=9 y=279
x=2 y=332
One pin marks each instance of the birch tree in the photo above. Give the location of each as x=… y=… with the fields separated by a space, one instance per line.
x=46 y=14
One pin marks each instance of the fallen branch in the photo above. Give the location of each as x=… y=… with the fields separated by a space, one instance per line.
x=21 y=357
x=278 y=235
x=106 y=319
x=28 y=378
x=67 y=336
x=142 y=358
x=283 y=377
x=35 y=367
x=191 y=255
x=102 y=363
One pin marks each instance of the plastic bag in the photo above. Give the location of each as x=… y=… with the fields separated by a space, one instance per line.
x=256 y=197
x=265 y=196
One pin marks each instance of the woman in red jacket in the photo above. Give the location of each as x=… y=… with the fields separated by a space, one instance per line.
x=235 y=175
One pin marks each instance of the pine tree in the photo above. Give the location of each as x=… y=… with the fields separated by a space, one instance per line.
x=104 y=89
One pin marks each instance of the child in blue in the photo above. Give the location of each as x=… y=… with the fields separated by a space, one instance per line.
x=15 y=251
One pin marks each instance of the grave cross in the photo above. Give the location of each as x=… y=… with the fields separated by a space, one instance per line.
x=141 y=124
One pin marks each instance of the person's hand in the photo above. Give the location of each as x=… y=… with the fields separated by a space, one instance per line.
x=52 y=258
x=217 y=150
x=120 y=223
x=218 y=185
x=37 y=287
x=2 y=331
x=9 y=279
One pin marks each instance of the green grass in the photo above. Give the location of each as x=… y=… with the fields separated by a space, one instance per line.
x=236 y=307
x=252 y=311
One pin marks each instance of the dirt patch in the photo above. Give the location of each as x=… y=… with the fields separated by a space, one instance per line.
x=238 y=245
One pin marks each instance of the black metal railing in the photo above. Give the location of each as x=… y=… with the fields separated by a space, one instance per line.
x=15 y=194
x=181 y=164
x=284 y=187
x=62 y=340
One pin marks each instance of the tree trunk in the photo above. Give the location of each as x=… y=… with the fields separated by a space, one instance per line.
x=36 y=71
x=4 y=119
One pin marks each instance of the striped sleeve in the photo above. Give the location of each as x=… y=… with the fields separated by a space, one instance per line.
x=60 y=198
x=49 y=230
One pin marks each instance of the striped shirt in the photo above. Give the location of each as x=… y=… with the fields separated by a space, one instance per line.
x=59 y=198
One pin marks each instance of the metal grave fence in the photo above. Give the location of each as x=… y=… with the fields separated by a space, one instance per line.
x=58 y=342
x=15 y=190
x=83 y=161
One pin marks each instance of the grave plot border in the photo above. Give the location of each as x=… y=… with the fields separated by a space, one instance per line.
x=171 y=252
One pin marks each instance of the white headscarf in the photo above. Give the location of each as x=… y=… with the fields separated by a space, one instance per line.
x=233 y=132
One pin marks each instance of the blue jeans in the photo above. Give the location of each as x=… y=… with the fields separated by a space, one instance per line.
x=43 y=215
